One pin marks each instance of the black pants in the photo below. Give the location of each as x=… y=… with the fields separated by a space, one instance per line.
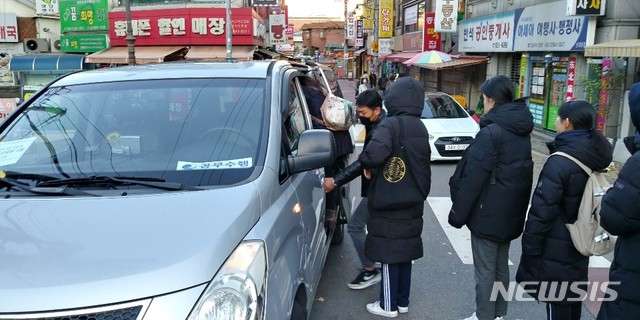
x=395 y=285
x=333 y=197
x=564 y=311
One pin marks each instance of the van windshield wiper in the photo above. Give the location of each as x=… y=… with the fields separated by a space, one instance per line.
x=120 y=181
x=46 y=191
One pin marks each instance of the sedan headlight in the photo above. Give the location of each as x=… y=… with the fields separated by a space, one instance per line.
x=237 y=291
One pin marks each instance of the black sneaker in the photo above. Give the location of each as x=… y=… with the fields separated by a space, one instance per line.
x=365 y=279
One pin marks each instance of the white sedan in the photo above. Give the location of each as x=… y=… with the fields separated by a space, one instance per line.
x=451 y=128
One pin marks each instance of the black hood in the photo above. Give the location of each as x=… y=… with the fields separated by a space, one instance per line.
x=588 y=146
x=405 y=97
x=514 y=117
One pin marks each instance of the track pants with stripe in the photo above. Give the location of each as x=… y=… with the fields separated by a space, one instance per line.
x=395 y=285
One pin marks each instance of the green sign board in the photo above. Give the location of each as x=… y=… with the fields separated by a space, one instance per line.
x=84 y=43
x=84 y=15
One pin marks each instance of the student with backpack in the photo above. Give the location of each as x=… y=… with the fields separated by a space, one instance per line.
x=620 y=214
x=549 y=256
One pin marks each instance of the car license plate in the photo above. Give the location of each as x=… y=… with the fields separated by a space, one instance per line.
x=450 y=147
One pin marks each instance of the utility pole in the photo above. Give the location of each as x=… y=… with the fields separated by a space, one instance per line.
x=229 y=31
x=130 y=38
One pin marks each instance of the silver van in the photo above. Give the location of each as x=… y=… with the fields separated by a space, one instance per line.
x=169 y=191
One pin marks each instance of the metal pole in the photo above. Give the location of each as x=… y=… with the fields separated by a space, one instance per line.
x=130 y=38
x=229 y=31
x=346 y=41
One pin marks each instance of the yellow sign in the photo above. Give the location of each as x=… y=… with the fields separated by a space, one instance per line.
x=386 y=19
x=368 y=14
x=374 y=46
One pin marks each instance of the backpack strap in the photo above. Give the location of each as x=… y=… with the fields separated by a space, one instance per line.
x=584 y=167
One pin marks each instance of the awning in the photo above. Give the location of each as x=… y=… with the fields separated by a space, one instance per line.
x=146 y=54
x=47 y=62
x=359 y=52
x=455 y=63
x=219 y=52
x=615 y=49
x=268 y=53
x=398 y=56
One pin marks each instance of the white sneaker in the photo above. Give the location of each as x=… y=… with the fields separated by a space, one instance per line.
x=377 y=310
x=473 y=317
x=406 y=309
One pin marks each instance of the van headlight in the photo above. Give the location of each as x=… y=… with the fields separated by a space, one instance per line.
x=238 y=289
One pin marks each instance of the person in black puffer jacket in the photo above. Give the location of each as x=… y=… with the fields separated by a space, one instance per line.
x=548 y=254
x=490 y=190
x=394 y=235
x=620 y=215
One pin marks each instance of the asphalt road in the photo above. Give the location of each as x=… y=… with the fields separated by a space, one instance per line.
x=442 y=281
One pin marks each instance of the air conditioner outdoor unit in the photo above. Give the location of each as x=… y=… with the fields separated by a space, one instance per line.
x=55 y=47
x=36 y=45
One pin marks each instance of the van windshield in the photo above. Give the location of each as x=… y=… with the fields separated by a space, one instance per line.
x=199 y=132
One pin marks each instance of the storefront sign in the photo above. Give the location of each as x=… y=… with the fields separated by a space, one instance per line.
x=84 y=15
x=603 y=99
x=368 y=14
x=47 y=7
x=431 y=39
x=411 y=15
x=571 y=78
x=195 y=26
x=492 y=33
x=586 y=7
x=351 y=27
x=386 y=19
x=446 y=15
x=84 y=43
x=7 y=105
x=359 y=33
x=277 y=26
x=412 y=41
x=547 y=28
x=384 y=46
x=8 y=27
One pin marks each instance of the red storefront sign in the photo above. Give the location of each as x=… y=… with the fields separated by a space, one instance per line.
x=431 y=37
x=185 y=26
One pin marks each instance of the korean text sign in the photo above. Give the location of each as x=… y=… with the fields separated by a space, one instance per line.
x=431 y=39
x=84 y=15
x=492 y=33
x=386 y=19
x=8 y=27
x=446 y=15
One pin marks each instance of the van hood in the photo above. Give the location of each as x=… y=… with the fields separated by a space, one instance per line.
x=455 y=125
x=55 y=251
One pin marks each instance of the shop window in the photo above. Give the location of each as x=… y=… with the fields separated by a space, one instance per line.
x=323 y=34
x=418 y=25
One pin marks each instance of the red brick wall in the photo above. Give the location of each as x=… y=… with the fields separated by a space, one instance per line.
x=27 y=28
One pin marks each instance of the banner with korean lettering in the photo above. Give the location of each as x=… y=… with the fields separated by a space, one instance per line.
x=603 y=99
x=84 y=15
x=351 y=27
x=546 y=27
x=277 y=27
x=446 y=15
x=8 y=27
x=360 y=33
x=431 y=39
x=386 y=19
x=586 y=7
x=47 y=7
x=368 y=14
x=184 y=26
x=571 y=79
x=492 y=33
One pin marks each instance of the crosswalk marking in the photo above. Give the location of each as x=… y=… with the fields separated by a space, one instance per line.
x=460 y=239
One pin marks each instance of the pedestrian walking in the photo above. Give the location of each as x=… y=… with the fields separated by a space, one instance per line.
x=490 y=190
x=397 y=159
x=549 y=256
x=370 y=112
x=620 y=215
x=382 y=84
x=315 y=95
x=364 y=86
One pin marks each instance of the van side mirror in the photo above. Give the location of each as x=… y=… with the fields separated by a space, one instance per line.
x=316 y=149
